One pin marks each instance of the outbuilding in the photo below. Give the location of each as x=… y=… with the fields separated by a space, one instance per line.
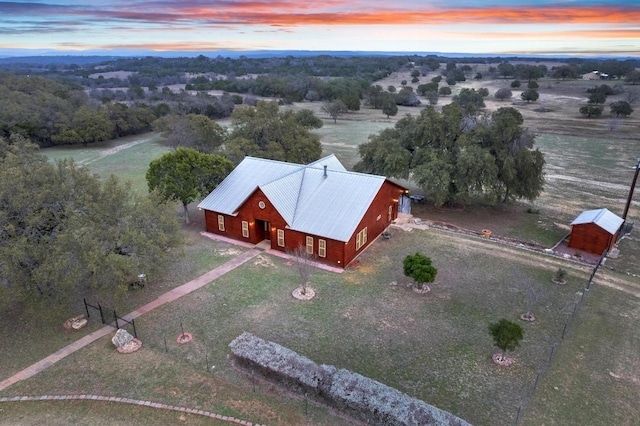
x=334 y=213
x=595 y=231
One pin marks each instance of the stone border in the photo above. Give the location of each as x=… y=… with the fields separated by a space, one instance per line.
x=128 y=401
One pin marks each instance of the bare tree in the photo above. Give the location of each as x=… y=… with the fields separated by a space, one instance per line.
x=303 y=262
x=534 y=294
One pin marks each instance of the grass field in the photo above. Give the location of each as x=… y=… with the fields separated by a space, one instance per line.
x=435 y=347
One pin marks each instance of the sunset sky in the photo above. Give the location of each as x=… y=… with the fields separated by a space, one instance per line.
x=559 y=27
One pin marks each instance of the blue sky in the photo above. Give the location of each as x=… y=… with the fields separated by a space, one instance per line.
x=493 y=27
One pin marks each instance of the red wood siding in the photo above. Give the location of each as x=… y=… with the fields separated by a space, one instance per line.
x=388 y=195
x=591 y=238
x=338 y=253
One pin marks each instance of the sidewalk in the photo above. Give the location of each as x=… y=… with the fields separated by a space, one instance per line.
x=167 y=297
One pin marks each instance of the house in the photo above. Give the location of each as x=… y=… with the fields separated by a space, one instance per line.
x=335 y=214
x=593 y=75
x=595 y=231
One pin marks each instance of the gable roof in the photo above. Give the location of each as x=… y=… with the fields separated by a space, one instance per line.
x=330 y=205
x=606 y=220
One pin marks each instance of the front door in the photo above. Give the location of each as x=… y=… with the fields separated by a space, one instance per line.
x=263 y=229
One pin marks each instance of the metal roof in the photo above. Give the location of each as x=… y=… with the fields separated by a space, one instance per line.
x=330 y=205
x=606 y=220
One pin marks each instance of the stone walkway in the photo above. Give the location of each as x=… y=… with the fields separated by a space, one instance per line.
x=167 y=297
x=127 y=401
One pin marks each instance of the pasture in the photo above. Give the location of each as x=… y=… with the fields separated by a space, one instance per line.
x=434 y=347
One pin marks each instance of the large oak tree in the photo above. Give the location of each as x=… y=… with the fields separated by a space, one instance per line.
x=64 y=234
x=456 y=158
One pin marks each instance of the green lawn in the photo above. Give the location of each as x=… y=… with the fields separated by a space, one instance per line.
x=434 y=347
x=111 y=157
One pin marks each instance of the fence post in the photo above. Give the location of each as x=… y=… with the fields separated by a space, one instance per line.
x=101 y=314
x=115 y=317
x=86 y=308
x=518 y=415
x=133 y=323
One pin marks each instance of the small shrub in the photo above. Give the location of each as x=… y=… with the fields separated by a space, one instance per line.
x=560 y=275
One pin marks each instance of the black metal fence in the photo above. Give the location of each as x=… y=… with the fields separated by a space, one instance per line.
x=109 y=316
x=529 y=390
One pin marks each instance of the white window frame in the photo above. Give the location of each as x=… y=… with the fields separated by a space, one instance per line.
x=322 y=248
x=245 y=229
x=390 y=214
x=309 y=246
x=281 y=237
x=221 y=223
x=361 y=238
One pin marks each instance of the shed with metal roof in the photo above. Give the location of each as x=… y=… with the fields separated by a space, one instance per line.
x=332 y=212
x=595 y=231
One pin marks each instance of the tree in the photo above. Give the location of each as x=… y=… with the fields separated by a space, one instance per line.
x=267 y=132
x=303 y=263
x=528 y=72
x=432 y=97
x=633 y=77
x=621 y=108
x=515 y=84
x=532 y=85
x=506 y=69
x=530 y=95
x=565 y=71
x=88 y=125
x=469 y=99
x=418 y=267
x=456 y=158
x=375 y=96
x=444 y=91
x=591 y=111
x=503 y=93
x=407 y=97
x=185 y=174
x=192 y=131
x=389 y=107
x=64 y=234
x=506 y=336
x=334 y=109
x=597 y=97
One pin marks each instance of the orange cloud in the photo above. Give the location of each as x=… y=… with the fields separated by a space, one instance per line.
x=291 y=14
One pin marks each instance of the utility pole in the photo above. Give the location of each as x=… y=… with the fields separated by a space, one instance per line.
x=633 y=185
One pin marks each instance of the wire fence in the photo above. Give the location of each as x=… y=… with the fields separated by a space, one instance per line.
x=530 y=390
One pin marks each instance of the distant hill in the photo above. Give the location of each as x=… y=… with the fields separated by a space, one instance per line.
x=47 y=57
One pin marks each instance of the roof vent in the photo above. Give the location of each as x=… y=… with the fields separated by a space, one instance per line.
x=325 y=171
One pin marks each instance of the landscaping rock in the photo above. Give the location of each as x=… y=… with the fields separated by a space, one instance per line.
x=121 y=338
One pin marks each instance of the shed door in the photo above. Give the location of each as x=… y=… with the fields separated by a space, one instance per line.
x=404 y=205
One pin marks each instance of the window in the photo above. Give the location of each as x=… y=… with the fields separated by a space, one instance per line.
x=281 y=237
x=390 y=216
x=310 y=245
x=322 y=248
x=220 y=222
x=361 y=238
x=245 y=229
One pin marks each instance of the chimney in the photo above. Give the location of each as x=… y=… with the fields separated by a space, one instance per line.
x=325 y=171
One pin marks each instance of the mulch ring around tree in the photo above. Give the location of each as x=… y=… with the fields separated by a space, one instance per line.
x=308 y=294
x=502 y=361
x=527 y=317
x=184 y=338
